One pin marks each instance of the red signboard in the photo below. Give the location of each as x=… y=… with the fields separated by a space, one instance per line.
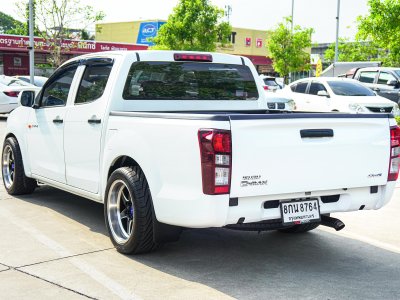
x=20 y=43
x=248 y=42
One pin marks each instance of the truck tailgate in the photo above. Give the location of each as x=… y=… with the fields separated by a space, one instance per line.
x=270 y=156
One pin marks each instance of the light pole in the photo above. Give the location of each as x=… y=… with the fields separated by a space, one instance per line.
x=290 y=73
x=337 y=32
x=31 y=44
x=292 y=13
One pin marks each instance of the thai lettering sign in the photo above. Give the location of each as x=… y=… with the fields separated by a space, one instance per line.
x=21 y=43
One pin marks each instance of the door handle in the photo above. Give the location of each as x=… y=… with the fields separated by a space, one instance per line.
x=94 y=120
x=58 y=120
x=316 y=133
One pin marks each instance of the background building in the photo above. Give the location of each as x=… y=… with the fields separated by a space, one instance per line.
x=247 y=42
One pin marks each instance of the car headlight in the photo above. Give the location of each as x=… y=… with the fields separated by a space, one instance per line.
x=291 y=105
x=396 y=110
x=356 y=108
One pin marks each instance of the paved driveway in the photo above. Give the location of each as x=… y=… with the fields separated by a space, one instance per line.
x=54 y=244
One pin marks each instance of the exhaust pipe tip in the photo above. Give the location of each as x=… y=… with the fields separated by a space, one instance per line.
x=332 y=222
x=339 y=225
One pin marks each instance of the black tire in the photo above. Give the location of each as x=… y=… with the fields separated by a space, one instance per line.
x=18 y=183
x=141 y=239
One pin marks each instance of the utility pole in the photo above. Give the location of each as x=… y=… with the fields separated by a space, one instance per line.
x=31 y=44
x=337 y=32
x=292 y=13
x=290 y=73
x=228 y=12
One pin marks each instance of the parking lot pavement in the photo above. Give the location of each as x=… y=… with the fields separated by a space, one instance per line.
x=54 y=244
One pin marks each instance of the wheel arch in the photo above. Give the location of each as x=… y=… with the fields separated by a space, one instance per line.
x=10 y=134
x=25 y=159
x=122 y=161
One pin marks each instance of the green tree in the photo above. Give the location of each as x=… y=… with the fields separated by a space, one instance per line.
x=355 y=51
x=382 y=26
x=194 y=25
x=56 y=18
x=8 y=23
x=288 y=49
x=13 y=26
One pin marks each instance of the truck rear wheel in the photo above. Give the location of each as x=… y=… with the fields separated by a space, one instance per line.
x=12 y=167
x=128 y=211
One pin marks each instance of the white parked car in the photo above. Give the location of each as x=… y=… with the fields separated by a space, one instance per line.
x=269 y=83
x=38 y=80
x=325 y=94
x=171 y=139
x=10 y=88
x=279 y=103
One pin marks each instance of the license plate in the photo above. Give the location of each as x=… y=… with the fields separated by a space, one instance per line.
x=300 y=211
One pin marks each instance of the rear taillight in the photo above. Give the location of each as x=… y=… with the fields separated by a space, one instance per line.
x=193 y=57
x=11 y=93
x=394 y=153
x=216 y=160
x=266 y=87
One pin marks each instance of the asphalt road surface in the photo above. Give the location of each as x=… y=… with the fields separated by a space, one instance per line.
x=54 y=244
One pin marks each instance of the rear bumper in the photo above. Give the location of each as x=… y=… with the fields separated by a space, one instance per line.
x=214 y=211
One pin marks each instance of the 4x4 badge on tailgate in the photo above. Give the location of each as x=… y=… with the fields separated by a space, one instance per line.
x=374 y=175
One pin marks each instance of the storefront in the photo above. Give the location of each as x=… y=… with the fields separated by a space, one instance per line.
x=247 y=42
x=14 y=55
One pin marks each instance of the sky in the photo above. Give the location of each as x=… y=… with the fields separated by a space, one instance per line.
x=254 y=14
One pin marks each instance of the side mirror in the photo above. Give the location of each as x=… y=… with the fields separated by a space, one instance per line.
x=323 y=94
x=27 y=98
x=392 y=82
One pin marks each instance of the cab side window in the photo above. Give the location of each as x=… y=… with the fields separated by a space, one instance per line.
x=93 y=83
x=367 y=76
x=315 y=87
x=56 y=93
x=385 y=77
x=301 y=87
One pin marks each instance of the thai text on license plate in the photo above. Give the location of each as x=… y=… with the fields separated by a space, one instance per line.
x=300 y=211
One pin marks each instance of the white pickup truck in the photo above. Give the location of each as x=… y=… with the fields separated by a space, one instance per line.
x=170 y=140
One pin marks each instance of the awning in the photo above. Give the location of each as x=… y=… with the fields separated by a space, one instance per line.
x=259 y=60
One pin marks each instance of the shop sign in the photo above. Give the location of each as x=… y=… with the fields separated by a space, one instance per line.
x=259 y=43
x=15 y=42
x=248 y=42
x=148 y=30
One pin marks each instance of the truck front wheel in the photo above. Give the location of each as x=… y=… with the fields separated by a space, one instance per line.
x=128 y=211
x=12 y=167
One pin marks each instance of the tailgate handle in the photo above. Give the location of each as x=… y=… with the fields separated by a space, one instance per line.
x=316 y=133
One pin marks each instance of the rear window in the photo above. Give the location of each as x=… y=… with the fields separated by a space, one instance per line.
x=343 y=88
x=189 y=81
x=270 y=82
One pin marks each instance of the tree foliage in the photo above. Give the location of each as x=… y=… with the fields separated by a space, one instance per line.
x=8 y=24
x=354 y=51
x=57 y=19
x=382 y=26
x=288 y=49
x=194 y=25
